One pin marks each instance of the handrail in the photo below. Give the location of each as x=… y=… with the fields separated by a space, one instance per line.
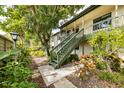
x=101 y=22
x=62 y=42
x=69 y=41
x=64 y=54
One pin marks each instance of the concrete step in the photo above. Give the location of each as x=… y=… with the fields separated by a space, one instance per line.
x=64 y=83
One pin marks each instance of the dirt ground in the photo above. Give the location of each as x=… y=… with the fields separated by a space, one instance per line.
x=90 y=81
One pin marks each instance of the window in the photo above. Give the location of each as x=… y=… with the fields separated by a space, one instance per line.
x=102 y=22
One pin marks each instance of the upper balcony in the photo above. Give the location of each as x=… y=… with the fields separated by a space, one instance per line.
x=113 y=22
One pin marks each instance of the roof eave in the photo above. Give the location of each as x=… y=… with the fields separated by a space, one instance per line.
x=87 y=10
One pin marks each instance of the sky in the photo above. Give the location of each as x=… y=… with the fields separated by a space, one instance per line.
x=2 y=32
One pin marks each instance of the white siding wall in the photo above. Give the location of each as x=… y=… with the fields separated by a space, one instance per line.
x=87 y=48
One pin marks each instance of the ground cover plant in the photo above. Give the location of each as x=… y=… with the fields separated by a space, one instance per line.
x=15 y=73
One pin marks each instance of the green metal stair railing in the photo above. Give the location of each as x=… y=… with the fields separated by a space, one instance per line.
x=56 y=48
x=63 y=53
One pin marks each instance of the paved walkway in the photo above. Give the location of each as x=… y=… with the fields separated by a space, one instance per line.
x=51 y=75
x=56 y=76
x=64 y=83
x=40 y=60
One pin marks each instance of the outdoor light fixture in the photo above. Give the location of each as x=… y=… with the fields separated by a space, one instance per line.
x=14 y=37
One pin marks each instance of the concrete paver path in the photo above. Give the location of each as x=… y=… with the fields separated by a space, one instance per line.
x=51 y=75
x=64 y=83
x=55 y=76
x=40 y=60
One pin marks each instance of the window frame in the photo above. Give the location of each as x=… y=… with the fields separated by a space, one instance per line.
x=98 y=24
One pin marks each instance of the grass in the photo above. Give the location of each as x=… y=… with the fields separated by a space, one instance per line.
x=114 y=77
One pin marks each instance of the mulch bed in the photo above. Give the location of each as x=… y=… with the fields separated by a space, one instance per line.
x=39 y=80
x=90 y=81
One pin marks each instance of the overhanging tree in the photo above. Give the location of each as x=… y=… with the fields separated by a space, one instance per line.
x=45 y=18
x=36 y=19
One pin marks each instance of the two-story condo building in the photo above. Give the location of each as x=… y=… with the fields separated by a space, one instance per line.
x=74 y=33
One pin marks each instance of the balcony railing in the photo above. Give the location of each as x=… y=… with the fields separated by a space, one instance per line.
x=114 y=22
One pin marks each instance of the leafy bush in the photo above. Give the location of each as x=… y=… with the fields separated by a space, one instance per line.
x=39 y=53
x=36 y=52
x=16 y=73
x=72 y=57
x=107 y=45
x=101 y=65
x=24 y=57
x=89 y=65
x=23 y=84
x=122 y=71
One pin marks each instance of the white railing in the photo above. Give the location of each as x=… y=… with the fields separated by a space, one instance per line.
x=114 y=22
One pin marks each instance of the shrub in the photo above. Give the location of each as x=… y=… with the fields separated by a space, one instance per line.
x=36 y=52
x=24 y=57
x=122 y=71
x=72 y=57
x=115 y=77
x=101 y=65
x=16 y=73
x=115 y=62
x=89 y=65
x=22 y=84
x=39 y=53
x=105 y=75
x=108 y=43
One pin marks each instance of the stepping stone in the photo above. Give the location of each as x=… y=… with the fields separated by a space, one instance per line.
x=40 y=60
x=51 y=75
x=64 y=83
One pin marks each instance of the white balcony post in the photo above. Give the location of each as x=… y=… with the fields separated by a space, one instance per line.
x=116 y=10
x=115 y=21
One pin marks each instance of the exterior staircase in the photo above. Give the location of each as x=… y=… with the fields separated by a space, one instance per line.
x=61 y=52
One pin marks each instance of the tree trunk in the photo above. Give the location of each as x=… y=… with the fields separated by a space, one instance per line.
x=44 y=44
x=47 y=51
